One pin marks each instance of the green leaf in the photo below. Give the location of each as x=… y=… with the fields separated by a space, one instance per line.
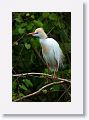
x=45 y=14
x=67 y=46
x=21 y=30
x=23 y=24
x=44 y=91
x=32 y=16
x=28 y=83
x=15 y=43
x=14 y=85
x=45 y=70
x=27 y=46
x=27 y=14
x=55 y=87
x=14 y=95
x=53 y=16
x=23 y=87
x=18 y=19
x=29 y=26
x=21 y=94
x=35 y=42
x=38 y=23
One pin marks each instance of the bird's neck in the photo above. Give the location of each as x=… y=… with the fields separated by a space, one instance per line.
x=43 y=36
x=42 y=41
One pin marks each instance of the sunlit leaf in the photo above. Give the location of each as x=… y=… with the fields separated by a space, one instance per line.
x=18 y=19
x=21 y=30
x=28 y=46
x=44 y=91
x=28 y=83
x=27 y=14
x=15 y=43
x=32 y=16
x=23 y=87
x=38 y=23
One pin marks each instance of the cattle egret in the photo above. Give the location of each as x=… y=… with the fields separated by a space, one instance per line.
x=51 y=50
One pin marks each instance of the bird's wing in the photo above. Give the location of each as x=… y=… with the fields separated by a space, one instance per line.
x=58 y=54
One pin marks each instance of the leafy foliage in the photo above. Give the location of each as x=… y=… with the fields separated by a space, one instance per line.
x=27 y=56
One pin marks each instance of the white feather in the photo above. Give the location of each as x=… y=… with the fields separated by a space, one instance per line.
x=54 y=55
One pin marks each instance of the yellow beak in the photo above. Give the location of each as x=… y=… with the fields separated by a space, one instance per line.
x=31 y=33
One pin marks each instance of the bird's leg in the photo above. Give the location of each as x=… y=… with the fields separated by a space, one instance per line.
x=48 y=65
x=54 y=75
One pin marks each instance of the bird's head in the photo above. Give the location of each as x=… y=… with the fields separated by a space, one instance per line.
x=39 y=32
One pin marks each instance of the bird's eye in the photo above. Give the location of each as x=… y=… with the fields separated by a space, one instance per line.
x=36 y=32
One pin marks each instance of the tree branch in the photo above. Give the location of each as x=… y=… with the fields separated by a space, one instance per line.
x=40 y=74
x=35 y=93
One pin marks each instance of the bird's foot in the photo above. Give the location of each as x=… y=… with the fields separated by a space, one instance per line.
x=54 y=77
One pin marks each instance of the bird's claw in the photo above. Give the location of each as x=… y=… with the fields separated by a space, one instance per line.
x=54 y=77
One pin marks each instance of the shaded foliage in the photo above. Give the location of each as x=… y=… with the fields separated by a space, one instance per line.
x=27 y=55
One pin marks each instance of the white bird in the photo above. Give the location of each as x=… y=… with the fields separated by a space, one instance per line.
x=51 y=51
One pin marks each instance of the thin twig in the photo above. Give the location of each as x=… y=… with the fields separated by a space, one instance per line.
x=63 y=94
x=20 y=37
x=38 y=54
x=69 y=94
x=40 y=74
x=35 y=93
x=51 y=30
